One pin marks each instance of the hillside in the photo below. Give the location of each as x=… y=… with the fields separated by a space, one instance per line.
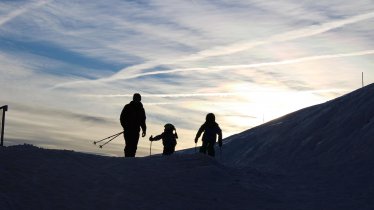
x=320 y=157
x=338 y=132
x=35 y=178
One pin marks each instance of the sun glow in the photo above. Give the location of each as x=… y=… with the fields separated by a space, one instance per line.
x=256 y=105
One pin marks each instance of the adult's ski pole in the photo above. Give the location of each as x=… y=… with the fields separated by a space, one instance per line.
x=117 y=134
x=101 y=146
x=109 y=137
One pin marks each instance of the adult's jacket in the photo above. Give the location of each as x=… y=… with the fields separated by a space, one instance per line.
x=133 y=117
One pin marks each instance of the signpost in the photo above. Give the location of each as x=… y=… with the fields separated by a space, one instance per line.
x=4 y=108
x=362 y=77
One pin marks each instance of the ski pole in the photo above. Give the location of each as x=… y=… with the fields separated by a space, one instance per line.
x=195 y=147
x=101 y=146
x=150 y=149
x=117 y=134
x=112 y=137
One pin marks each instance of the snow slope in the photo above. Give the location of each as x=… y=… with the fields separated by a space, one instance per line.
x=321 y=157
x=325 y=152
x=34 y=178
x=338 y=132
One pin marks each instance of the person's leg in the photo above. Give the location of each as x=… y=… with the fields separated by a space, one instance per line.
x=131 y=140
x=203 y=147
x=127 y=142
x=210 y=148
x=135 y=144
x=128 y=148
x=172 y=149
x=167 y=150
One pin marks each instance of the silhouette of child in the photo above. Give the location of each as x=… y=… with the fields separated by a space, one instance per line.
x=211 y=129
x=169 y=139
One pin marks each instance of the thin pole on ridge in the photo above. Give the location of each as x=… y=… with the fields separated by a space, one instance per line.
x=150 y=149
x=4 y=108
x=362 y=78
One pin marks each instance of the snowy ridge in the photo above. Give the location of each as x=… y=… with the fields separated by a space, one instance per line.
x=338 y=132
x=35 y=178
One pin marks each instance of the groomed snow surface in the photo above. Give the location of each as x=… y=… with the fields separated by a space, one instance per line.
x=321 y=157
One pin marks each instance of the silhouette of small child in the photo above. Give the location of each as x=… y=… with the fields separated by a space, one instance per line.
x=211 y=129
x=169 y=139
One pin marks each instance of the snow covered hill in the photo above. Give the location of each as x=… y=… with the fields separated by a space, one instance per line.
x=34 y=178
x=324 y=152
x=338 y=132
x=321 y=157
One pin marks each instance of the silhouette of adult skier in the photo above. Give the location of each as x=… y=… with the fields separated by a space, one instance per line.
x=132 y=119
x=211 y=129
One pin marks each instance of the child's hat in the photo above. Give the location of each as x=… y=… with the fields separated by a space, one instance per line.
x=169 y=126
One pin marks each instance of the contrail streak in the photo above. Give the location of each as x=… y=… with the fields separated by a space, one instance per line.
x=274 y=63
x=22 y=10
x=291 y=35
x=221 y=94
x=133 y=71
x=183 y=95
x=239 y=47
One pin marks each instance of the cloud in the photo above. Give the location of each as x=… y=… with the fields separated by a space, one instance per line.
x=235 y=67
x=35 y=112
x=197 y=95
x=48 y=126
x=185 y=95
x=291 y=35
x=20 y=11
x=130 y=72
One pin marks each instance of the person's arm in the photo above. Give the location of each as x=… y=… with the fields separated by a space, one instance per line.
x=201 y=130
x=156 y=138
x=122 y=117
x=219 y=132
x=142 y=122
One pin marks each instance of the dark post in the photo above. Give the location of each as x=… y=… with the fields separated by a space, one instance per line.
x=4 y=108
x=362 y=79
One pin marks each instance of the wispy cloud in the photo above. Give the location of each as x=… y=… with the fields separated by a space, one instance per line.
x=131 y=72
x=186 y=95
x=23 y=9
x=275 y=63
x=291 y=35
x=232 y=67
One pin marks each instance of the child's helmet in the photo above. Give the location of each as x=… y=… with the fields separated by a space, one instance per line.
x=169 y=126
x=210 y=117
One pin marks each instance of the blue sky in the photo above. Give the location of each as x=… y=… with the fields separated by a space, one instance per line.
x=68 y=67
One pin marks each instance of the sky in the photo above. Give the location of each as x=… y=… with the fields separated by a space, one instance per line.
x=68 y=67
